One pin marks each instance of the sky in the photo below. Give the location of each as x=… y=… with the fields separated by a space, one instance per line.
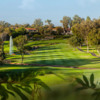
x=26 y=11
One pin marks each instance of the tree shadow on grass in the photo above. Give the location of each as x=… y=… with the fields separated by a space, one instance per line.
x=65 y=62
x=43 y=53
x=47 y=48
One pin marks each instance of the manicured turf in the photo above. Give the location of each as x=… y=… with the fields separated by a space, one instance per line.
x=58 y=76
x=61 y=55
x=50 y=54
x=58 y=54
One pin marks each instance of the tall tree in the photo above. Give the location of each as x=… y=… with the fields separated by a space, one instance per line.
x=48 y=21
x=41 y=30
x=50 y=25
x=26 y=25
x=5 y=24
x=37 y=23
x=88 y=19
x=18 y=31
x=94 y=34
x=82 y=30
x=77 y=19
x=2 y=55
x=66 y=21
x=75 y=41
x=78 y=36
x=2 y=37
x=20 y=42
x=59 y=30
x=7 y=32
x=86 y=28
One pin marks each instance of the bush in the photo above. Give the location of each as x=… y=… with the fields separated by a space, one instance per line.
x=58 y=36
x=75 y=41
x=43 y=72
x=1 y=63
x=37 y=37
x=27 y=47
x=67 y=36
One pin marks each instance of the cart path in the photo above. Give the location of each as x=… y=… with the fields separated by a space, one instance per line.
x=93 y=54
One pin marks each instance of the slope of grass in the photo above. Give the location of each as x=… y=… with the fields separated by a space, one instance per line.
x=61 y=54
x=57 y=76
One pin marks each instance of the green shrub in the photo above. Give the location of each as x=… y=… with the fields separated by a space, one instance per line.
x=37 y=37
x=27 y=47
x=43 y=72
x=67 y=36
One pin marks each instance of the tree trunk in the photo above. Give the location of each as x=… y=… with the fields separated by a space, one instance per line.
x=22 y=57
x=98 y=52
x=80 y=46
x=87 y=46
x=94 y=50
x=2 y=52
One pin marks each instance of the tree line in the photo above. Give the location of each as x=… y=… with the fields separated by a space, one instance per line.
x=86 y=33
x=47 y=29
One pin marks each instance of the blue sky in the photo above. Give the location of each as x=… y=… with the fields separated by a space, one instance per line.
x=26 y=11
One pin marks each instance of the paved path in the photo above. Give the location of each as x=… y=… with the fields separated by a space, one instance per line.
x=93 y=54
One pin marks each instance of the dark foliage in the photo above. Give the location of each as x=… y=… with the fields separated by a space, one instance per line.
x=12 y=82
x=89 y=84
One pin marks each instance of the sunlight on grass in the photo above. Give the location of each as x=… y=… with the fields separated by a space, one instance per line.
x=59 y=54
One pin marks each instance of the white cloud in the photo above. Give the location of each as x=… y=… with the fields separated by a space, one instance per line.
x=27 y=4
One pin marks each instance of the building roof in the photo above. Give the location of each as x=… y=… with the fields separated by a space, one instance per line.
x=30 y=29
x=54 y=29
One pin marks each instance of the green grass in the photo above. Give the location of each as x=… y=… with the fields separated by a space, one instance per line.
x=61 y=54
x=58 y=76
